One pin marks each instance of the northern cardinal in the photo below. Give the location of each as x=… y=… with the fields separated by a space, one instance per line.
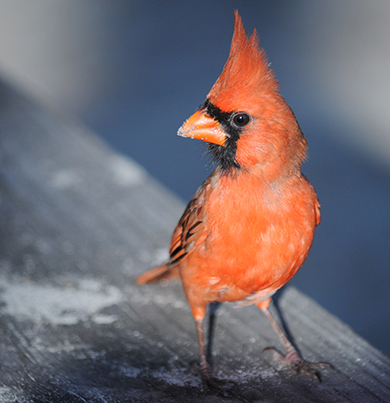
x=250 y=225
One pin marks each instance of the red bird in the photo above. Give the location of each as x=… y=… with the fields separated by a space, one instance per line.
x=250 y=226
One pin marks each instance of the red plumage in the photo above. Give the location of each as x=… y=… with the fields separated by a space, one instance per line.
x=250 y=226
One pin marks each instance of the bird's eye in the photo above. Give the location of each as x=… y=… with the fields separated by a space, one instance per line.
x=241 y=119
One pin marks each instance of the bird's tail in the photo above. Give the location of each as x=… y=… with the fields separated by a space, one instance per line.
x=163 y=272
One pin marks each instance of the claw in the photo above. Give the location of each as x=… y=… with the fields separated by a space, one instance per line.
x=211 y=384
x=298 y=365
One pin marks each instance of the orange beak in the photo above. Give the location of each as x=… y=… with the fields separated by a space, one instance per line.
x=202 y=127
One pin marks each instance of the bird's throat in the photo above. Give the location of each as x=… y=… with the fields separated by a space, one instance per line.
x=224 y=156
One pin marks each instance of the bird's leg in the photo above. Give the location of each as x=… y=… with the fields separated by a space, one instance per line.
x=208 y=381
x=213 y=307
x=204 y=366
x=292 y=357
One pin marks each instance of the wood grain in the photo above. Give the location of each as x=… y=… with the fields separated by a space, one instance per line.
x=78 y=223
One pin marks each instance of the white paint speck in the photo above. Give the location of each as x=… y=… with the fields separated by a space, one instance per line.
x=175 y=377
x=125 y=172
x=7 y=395
x=59 y=305
x=131 y=372
x=104 y=319
x=64 y=179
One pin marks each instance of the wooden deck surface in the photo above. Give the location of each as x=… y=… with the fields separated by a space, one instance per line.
x=78 y=223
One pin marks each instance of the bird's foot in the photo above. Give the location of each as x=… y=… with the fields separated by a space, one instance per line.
x=298 y=365
x=211 y=384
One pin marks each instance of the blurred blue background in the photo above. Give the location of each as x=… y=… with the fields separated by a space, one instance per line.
x=135 y=70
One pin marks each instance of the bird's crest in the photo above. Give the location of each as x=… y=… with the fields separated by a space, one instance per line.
x=246 y=73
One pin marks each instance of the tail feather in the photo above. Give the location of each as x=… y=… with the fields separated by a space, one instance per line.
x=163 y=272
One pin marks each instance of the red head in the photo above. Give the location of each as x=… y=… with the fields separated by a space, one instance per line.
x=245 y=118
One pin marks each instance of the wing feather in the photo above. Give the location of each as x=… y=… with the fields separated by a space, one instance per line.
x=190 y=230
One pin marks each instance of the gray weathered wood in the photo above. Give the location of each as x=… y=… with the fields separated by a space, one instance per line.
x=78 y=223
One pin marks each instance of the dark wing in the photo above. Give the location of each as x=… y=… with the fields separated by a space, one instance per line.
x=190 y=230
